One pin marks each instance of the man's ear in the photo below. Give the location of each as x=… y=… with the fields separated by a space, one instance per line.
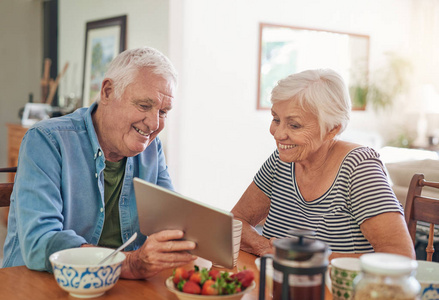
x=107 y=91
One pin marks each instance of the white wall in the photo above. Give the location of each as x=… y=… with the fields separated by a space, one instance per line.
x=223 y=138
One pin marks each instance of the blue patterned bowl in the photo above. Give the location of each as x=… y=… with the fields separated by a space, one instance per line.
x=76 y=270
x=428 y=276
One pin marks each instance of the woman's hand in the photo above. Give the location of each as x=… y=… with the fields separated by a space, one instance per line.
x=160 y=251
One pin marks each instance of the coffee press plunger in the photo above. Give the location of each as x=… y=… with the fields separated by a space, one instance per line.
x=299 y=265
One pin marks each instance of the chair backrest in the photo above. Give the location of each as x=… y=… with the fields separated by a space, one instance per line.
x=6 y=188
x=5 y=194
x=421 y=208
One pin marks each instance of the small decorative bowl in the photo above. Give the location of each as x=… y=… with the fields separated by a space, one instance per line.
x=76 y=270
x=428 y=276
x=185 y=296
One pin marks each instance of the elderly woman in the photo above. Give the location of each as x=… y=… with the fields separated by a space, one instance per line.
x=315 y=181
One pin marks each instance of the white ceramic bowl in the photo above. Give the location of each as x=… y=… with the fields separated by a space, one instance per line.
x=186 y=296
x=428 y=276
x=77 y=272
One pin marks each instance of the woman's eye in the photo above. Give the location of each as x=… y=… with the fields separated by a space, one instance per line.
x=294 y=126
x=163 y=113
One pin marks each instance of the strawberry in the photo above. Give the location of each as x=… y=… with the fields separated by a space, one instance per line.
x=190 y=272
x=214 y=274
x=245 y=277
x=180 y=285
x=200 y=276
x=211 y=282
x=209 y=288
x=191 y=287
x=180 y=274
x=195 y=277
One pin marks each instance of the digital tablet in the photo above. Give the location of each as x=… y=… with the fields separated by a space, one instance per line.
x=209 y=227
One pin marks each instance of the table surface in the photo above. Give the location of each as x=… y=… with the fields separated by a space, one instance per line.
x=22 y=283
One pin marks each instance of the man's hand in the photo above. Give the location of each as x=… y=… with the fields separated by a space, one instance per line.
x=160 y=251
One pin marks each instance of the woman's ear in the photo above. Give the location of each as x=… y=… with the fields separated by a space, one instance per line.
x=333 y=132
x=107 y=91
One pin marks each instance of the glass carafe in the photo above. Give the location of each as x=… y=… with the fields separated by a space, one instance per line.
x=299 y=265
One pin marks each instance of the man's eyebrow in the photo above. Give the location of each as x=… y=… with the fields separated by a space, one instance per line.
x=146 y=101
x=167 y=108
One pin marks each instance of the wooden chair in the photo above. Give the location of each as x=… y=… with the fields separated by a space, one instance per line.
x=6 y=188
x=5 y=194
x=423 y=209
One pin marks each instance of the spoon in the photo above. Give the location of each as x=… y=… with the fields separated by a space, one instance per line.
x=124 y=245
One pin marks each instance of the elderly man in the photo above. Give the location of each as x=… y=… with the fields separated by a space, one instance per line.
x=74 y=184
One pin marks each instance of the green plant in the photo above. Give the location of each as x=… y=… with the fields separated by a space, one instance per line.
x=385 y=85
x=402 y=140
x=358 y=95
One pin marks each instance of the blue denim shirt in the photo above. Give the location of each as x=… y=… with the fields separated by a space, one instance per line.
x=58 y=196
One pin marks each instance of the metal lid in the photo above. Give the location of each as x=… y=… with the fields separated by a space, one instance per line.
x=387 y=264
x=298 y=248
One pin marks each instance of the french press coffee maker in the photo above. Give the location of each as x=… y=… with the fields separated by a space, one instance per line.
x=299 y=265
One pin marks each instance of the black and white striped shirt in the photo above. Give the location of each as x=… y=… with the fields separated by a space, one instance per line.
x=359 y=191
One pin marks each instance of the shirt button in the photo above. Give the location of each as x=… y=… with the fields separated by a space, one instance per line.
x=100 y=153
x=95 y=156
x=102 y=209
x=96 y=175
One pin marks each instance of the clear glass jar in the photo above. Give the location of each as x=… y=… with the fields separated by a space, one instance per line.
x=386 y=276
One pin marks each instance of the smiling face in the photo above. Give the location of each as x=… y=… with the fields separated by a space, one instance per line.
x=297 y=132
x=126 y=126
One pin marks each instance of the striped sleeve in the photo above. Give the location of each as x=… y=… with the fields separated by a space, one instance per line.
x=370 y=193
x=265 y=177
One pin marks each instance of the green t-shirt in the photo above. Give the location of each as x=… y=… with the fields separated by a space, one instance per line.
x=113 y=178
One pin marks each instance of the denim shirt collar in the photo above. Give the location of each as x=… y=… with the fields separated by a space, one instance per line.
x=97 y=150
x=91 y=130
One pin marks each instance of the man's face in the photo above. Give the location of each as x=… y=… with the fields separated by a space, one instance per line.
x=132 y=122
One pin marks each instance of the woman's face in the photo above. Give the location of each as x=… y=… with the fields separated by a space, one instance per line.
x=297 y=132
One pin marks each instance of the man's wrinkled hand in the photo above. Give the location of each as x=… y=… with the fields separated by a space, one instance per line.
x=161 y=250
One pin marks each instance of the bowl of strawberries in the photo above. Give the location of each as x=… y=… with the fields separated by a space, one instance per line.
x=196 y=284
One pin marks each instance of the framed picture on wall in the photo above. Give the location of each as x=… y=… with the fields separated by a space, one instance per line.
x=104 y=40
x=284 y=50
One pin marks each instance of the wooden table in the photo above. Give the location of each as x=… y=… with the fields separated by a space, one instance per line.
x=22 y=283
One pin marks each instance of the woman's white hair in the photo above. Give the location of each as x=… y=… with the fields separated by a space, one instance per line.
x=321 y=92
x=125 y=67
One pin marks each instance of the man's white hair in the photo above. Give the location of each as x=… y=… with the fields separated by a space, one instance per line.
x=125 y=67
